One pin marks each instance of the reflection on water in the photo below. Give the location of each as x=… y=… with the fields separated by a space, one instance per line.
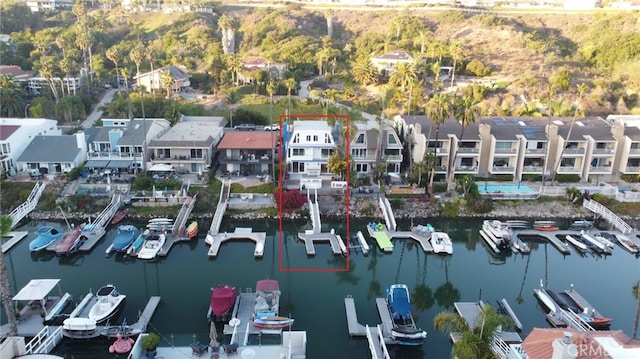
x=315 y=299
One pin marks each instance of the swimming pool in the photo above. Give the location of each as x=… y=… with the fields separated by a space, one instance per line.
x=504 y=188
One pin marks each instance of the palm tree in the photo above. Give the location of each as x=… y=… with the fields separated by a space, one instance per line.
x=167 y=81
x=582 y=88
x=234 y=64
x=438 y=110
x=364 y=72
x=12 y=97
x=227 y=25
x=475 y=339
x=290 y=84
x=47 y=69
x=5 y=226
x=137 y=55
x=151 y=57
x=422 y=40
x=456 y=51
x=404 y=75
x=466 y=111
x=271 y=88
x=115 y=55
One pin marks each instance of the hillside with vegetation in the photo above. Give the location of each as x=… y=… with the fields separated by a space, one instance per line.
x=510 y=64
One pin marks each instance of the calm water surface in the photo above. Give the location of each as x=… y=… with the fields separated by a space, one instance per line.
x=316 y=299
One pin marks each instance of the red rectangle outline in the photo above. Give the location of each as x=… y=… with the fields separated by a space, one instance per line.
x=347 y=195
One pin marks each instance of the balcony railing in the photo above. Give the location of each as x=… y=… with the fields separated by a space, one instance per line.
x=631 y=170
x=246 y=159
x=537 y=151
x=440 y=169
x=505 y=150
x=603 y=151
x=466 y=169
x=532 y=169
x=363 y=158
x=468 y=150
x=393 y=157
x=601 y=169
x=503 y=169
x=634 y=151
x=568 y=169
x=574 y=151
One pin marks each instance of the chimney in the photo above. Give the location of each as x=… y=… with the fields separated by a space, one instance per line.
x=564 y=348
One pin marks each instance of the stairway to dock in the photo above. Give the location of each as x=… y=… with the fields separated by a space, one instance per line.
x=223 y=203
x=180 y=223
x=314 y=211
x=29 y=205
x=389 y=218
x=608 y=216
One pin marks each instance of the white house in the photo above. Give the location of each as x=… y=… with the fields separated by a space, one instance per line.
x=17 y=133
x=53 y=154
x=309 y=147
x=387 y=63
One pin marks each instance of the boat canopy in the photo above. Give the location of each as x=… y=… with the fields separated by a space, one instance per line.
x=36 y=289
x=222 y=300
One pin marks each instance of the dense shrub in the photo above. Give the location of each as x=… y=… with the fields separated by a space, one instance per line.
x=477 y=68
x=481 y=205
x=292 y=200
x=450 y=17
x=567 y=177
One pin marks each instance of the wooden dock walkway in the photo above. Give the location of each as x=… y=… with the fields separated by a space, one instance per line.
x=422 y=239
x=310 y=238
x=550 y=236
x=583 y=303
x=355 y=328
x=143 y=320
x=240 y=233
x=93 y=232
x=386 y=321
x=14 y=238
x=180 y=223
x=245 y=315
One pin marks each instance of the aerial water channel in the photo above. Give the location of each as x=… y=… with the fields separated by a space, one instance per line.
x=315 y=298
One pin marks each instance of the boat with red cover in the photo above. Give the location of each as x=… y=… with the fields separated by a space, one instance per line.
x=70 y=241
x=223 y=299
x=119 y=216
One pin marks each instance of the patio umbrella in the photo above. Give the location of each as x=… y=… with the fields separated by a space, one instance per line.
x=213 y=336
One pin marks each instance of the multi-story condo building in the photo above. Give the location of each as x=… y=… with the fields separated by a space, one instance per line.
x=370 y=146
x=248 y=152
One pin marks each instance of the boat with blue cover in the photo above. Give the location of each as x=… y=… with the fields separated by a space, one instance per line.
x=46 y=236
x=125 y=237
x=404 y=330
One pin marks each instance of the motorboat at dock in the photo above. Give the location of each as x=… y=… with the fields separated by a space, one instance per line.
x=441 y=243
x=404 y=329
x=267 y=306
x=46 y=236
x=497 y=235
x=108 y=301
x=624 y=241
x=223 y=299
x=124 y=238
x=70 y=241
x=151 y=246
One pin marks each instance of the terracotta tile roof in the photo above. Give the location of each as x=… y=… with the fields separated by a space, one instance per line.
x=539 y=343
x=248 y=140
x=253 y=61
x=16 y=71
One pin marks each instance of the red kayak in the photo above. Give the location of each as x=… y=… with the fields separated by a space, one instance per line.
x=119 y=216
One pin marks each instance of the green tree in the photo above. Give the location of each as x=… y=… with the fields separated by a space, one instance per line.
x=475 y=339
x=466 y=111
x=290 y=84
x=71 y=108
x=403 y=75
x=5 y=289
x=582 y=88
x=364 y=72
x=114 y=54
x=456 y=51
x=561 y=79
x=167 y=81
x=12 y=97
x=337 y=164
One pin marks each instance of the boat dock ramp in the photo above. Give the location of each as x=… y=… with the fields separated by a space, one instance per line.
x=560 y=318
x=375 y=334
x=223 y=203
x=383 y=237
x=549 y=236
x=335 y=241
x=217 y=239
x=178 y=229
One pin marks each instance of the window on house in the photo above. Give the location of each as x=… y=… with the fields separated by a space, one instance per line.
x=392 y=139
x=572 y=145
x=359 y=152
x=296 y=138
x=297 y=151
x=308 y=138
x=362 y=167
x=327 y=138
x=315 y=138
x=503 y=145
x=326 y=152
x=360 y=138
x=196 y=153
x=635 y=145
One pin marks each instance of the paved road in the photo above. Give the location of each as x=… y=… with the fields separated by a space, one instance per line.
x=96 y=114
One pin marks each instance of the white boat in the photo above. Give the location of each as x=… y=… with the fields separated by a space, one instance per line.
x=79 y=325
x=108 y=301
x=441 y=243
x=602 y=239
x=499 y=233
x=546 y=300
x=161 y=220
x=596 y=243
x=151 y=246
x=489 y=241
x=625 y=241
x=576 y=243
x=363 y=242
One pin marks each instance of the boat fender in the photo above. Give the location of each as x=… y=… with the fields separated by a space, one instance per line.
x=380 y=226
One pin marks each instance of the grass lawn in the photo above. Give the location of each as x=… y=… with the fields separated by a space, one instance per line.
x=278 y=111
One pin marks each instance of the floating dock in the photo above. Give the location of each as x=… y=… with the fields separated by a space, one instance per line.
x=470 y=311
x=375 y=334
x=244 y=313
x=177 y=230
x=335 y=241
x=557 y=316
x=14 y=238
x=383 y=237
x=259 y=238
x=550 y=236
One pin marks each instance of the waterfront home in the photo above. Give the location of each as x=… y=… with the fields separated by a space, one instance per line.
x=248 y=152
x=253 y=64
x=310 y=145
x=370 y=145
x=387 y=63
x=120 y=146
x=39 y=158
x=566 y=343
x=17 y=133
x=153 y=80
x=188 y=146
